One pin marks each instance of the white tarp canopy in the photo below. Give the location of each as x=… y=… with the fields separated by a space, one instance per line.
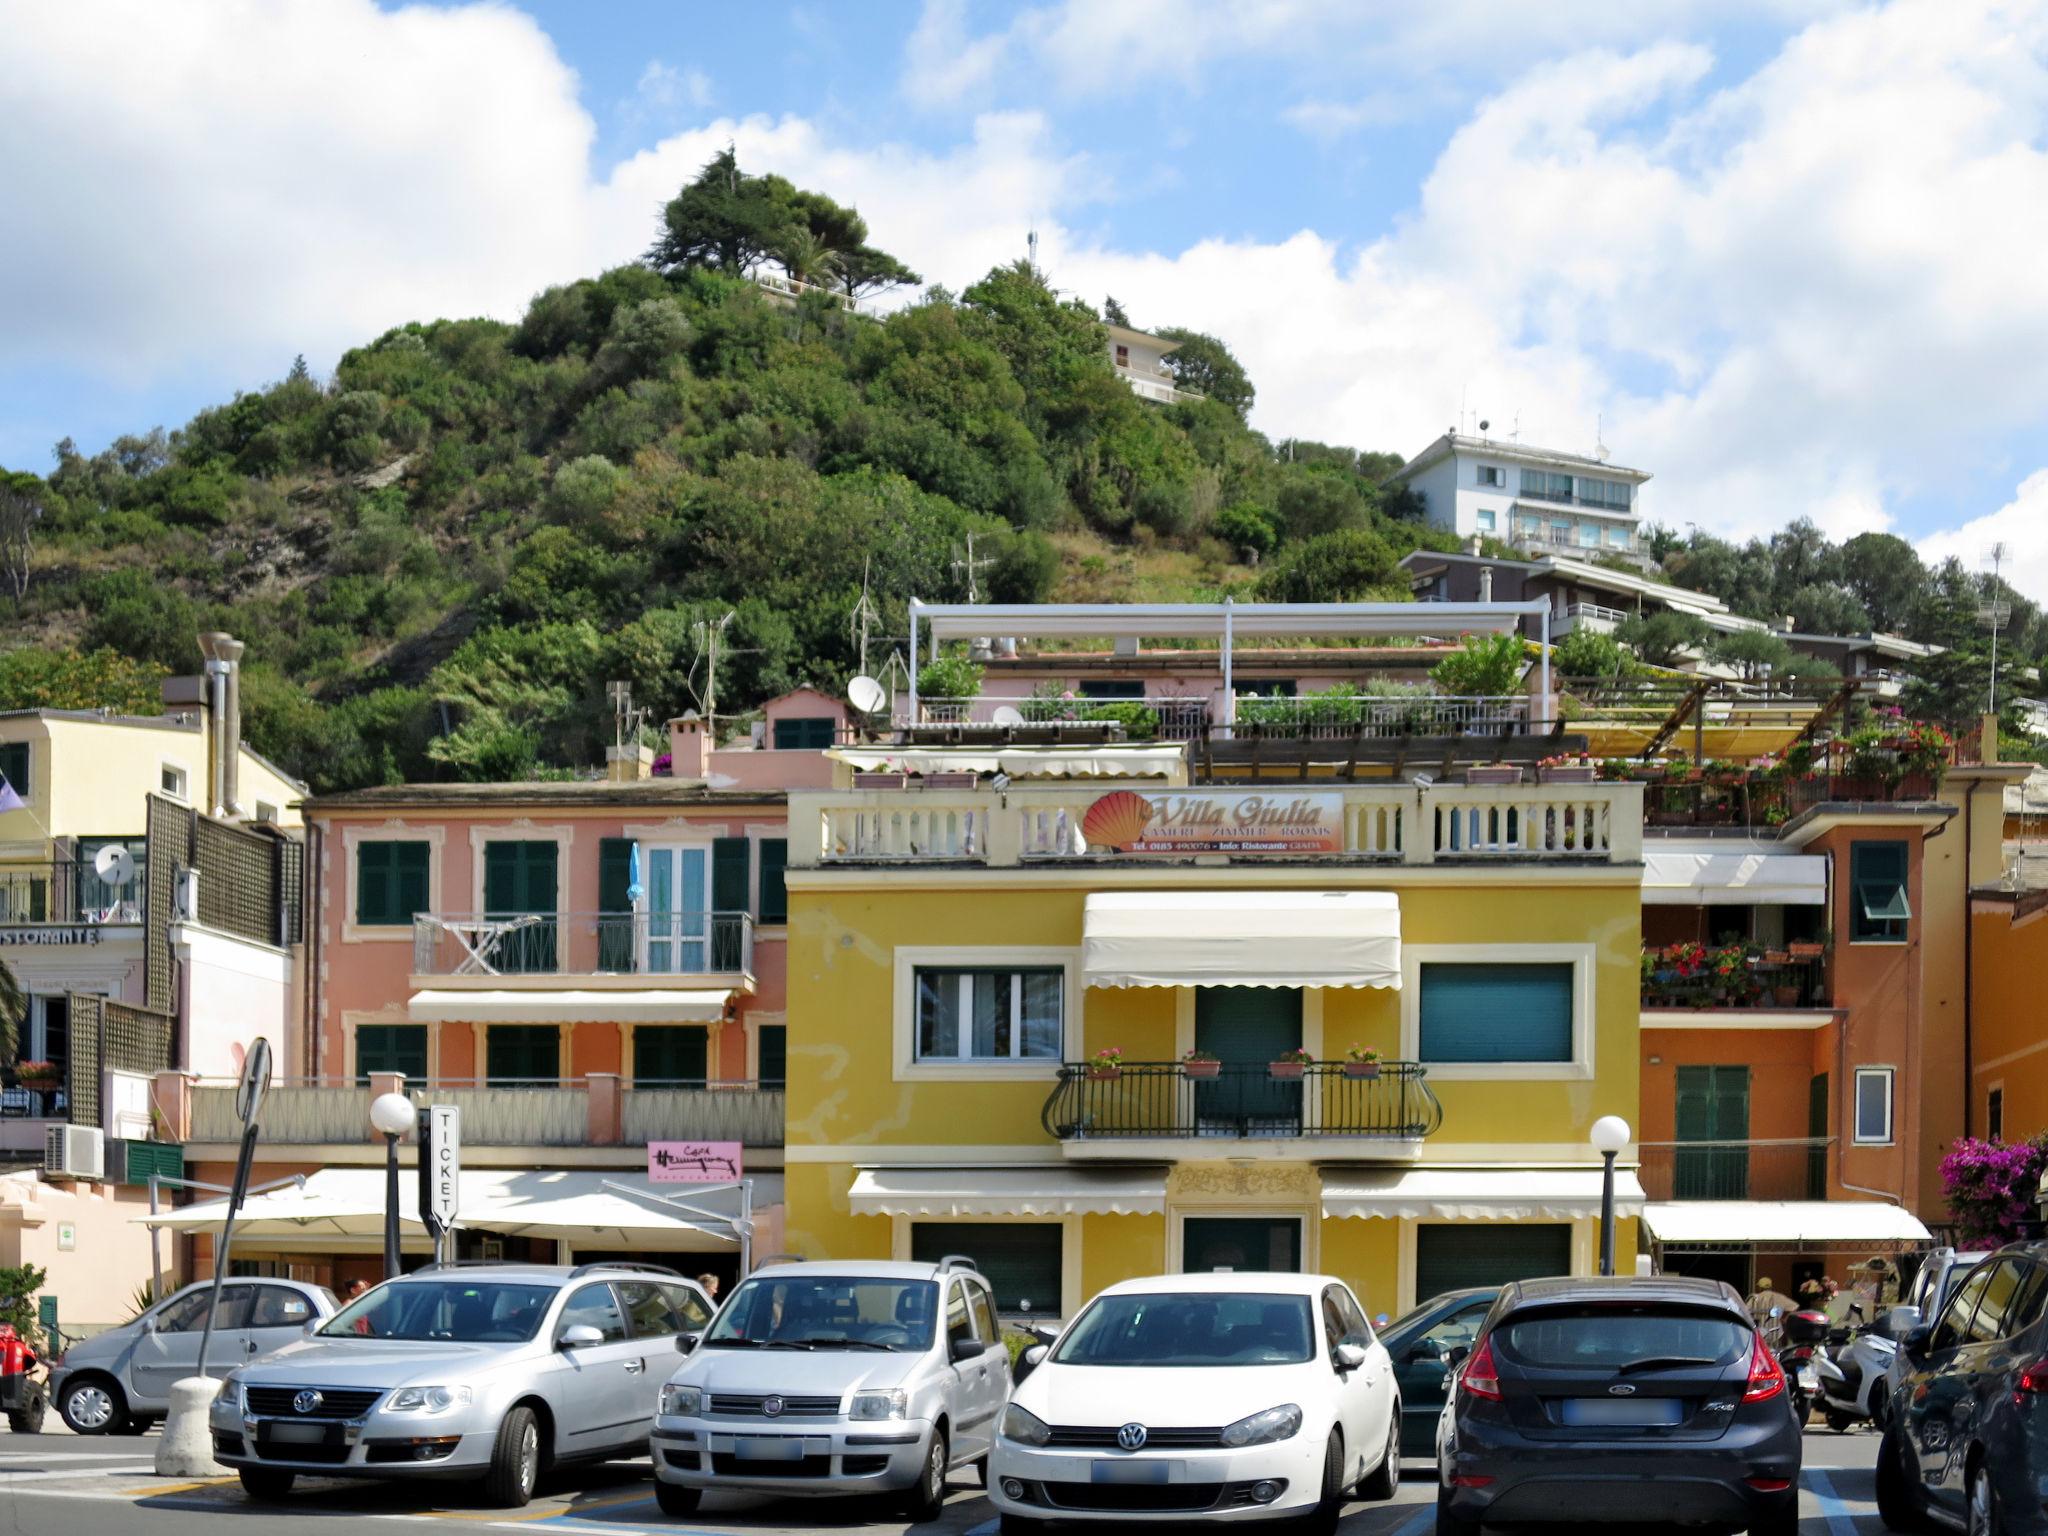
x=1476 y=1194
x=1118 y=762
x=1007 y=1192
x=445 y=1006
x=1783 y=1221
x=1697 y=873
x=959 y=621
x=334 y=1202
x=1242 y=939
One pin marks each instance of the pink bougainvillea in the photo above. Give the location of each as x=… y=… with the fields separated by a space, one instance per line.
x=1992 y=1188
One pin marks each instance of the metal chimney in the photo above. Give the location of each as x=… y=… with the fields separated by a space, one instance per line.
x=1486 y=583
x=223 y=653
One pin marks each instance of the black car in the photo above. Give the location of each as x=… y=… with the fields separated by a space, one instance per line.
x=1422 y=1343
x=1966 y=1443
x=1619 y=1402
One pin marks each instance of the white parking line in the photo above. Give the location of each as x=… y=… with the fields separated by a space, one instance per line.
x=1841 y=1522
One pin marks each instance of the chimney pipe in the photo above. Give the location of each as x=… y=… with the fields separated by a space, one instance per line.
x=1486 y=583
x=223 y=653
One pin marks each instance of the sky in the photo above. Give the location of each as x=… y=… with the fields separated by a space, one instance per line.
x=1785 y=255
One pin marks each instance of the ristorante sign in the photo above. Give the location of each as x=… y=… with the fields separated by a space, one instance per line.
x=1216 y=821
x=83 y=933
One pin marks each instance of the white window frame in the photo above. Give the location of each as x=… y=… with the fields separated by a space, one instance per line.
x=164 y=769
x=1890 y=1076
x=908 y=1067
x=1492 y=475
x=1486 y=519
x=1580 y=957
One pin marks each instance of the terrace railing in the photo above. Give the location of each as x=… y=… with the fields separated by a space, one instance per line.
x=582 y=943
x=1790 y=1169
x=1163 y=1100
x=1331 y=716
x=70 y=891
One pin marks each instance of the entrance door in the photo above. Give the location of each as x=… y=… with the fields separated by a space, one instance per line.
x=676 y=918
x=520 y=880
x=1817 y=1134
x=1246 y=1028
x=523 y=1053
x=1240 y=1244
x=1713 y=1106
x=668 y=1055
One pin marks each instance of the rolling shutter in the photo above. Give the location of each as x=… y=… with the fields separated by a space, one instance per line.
x=1454 y=1257
x=1496 y=1013
x=1020 y=1259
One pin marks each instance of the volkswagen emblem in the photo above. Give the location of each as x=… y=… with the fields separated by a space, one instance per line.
x=307 y=1401
x=1622 y=1389
x=1131 y=1437
x=771 y=1407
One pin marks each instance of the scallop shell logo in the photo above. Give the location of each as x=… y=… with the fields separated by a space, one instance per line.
x=1117 y=820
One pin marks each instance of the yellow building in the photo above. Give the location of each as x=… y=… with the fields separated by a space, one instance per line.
x=957 y=956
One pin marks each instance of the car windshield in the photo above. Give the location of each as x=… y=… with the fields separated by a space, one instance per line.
x=461 y=1311
x=1612 y=1337
x=1168 y=1328
x=827 y=1312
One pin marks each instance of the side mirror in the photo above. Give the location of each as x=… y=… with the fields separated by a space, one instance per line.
x=685 y=1342
x=1421 y=1350
x=1901 y=1322
x=964 y=1349
x=579 y=1336
x=312 y=1326
x=1029 y=1361
x=1347 y=1357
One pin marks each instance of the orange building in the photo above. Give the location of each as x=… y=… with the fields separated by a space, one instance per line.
x=2008 y=1041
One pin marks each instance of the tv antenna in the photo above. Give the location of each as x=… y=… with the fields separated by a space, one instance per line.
x=865 y=616
x=709 y=635
x=971 y=568
x=1600 y=436
x=1031 y=251
x=626 y=720
x=1995 y=614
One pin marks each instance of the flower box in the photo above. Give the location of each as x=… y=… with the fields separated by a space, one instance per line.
x=1777 y=957
x=1361 y=1069
x=1201 y=1068
x=1104 y=1074
x=1288 y=1070
x=1787 y=997
x=1806 y=951
x=1494 y=773
x=1574 y=775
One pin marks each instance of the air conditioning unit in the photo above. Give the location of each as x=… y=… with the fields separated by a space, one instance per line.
x=74 y=1152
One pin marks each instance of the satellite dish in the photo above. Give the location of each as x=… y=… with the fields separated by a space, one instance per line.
x=1008 y=714
x=866 y=695
x=114 y=865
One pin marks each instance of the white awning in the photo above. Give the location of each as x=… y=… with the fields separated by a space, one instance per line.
x=1049 y=1191
x=1783 y=1221
x=334 y=1202
x=1693 y=874
x=1242 y=939
x=959 y=621
x=1117 y=762
x=1477 y=1194
x=563 y=1007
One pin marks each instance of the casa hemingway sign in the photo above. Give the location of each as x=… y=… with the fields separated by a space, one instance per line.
x=1178 y=822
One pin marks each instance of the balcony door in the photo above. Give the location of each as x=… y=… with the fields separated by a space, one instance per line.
x=1246 y=1028
x=676 y=935
x=1713 y=1107
x=520 y=881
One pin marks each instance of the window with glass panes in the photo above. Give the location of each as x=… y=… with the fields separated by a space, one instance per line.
x=771 y=1055
x=14 y=764
x=1878 y=912
x=1546 y=486
x=391 y=882
x=989 y=1015
x=391 y=1048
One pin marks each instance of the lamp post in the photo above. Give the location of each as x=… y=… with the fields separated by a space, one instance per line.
x=391 y=1116
x=1610 y=1135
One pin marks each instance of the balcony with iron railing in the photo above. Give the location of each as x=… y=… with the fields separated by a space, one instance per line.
x=70 y=892
x=506 y=946
x=1191 y=714
x=1098 y=1112
x=1740 y=977
x=1789 y=1169
x=1380 y=823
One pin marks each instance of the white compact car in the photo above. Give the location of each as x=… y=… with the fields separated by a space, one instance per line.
x=1225 y=1396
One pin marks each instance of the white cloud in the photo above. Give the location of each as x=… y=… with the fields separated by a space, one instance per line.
x=663 y=91
x=2021 y=525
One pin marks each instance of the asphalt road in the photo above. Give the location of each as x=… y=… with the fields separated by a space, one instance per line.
x=58 y=1484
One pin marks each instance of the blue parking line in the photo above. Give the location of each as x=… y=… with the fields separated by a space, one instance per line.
x=1840 y=1521
x=986 y=1528
x=1419 y=1524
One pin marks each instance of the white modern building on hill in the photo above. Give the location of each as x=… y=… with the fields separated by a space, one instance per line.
x=1536 y=499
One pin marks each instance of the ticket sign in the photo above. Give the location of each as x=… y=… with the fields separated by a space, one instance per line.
x=693 y=1162
x=1210 y=821
x=444 y=1165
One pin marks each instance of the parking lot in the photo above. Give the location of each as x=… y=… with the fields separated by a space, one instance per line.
x=58 y=1484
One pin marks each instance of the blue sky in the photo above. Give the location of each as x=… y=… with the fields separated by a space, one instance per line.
x=1782 y=254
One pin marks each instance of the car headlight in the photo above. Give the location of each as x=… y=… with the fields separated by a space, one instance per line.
x=891 y=1404
x=1024 y=1427
x=1263 y=1428
x=426 y=1399
x=687 y=1402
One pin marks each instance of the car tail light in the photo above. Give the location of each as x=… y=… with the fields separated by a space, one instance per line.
x=1766 y=1380
x=2033 y=1382
x=1481 y=1377
x=1769 y=1484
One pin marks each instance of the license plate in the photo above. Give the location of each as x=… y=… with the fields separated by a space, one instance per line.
x=1134 y=1471
x=1596 y=1411
x=298 y=1434
x=767 y=1448
x=1808 y=1382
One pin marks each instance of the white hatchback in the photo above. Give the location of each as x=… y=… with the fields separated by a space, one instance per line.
x=1222 y=1396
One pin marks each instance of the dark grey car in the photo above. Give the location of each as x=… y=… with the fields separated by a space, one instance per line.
x=1613 y=1402
x=1967 y=1441
x=1422 y=1343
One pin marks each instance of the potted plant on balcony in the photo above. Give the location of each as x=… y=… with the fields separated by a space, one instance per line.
x=38 y=1074
x=1291 y=1064
x=1494 y=773
x=1200 y=1063
x=1806 y=949
x=1361 y=1061
x=1106 y=1065
x=1569 y=768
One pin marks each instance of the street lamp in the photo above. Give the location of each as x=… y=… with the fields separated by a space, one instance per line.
x=391 y=1115
x=1610 y=1135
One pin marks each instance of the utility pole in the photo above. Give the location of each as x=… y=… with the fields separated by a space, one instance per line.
x=1995 y=613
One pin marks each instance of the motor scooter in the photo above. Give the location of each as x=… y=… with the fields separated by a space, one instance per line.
x=24 y=1383
x=1853 y=1388
x=1799 y=1357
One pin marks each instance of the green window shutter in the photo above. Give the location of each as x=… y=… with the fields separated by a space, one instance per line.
x=772 y=1056
x=1816 y=1131
x=410 y=863
x=1713 y=1107
x=774 y=896
x=1022 y=1259
x=529 y=1052
x=519 y=877
x=373 y=883
x=391 y=1048
x=616 y=950
x=391 y=882
x=805 y=733
x=14 y=762
x=673 y=1054
x=730 y=868
x=1496 y=1013
x=1453 y=1256
x=1250 y=1026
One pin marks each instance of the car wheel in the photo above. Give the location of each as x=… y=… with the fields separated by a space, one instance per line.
x=928 y=1497
x=1839 y=1421
x=93 y=1407
x=515 y=1461
x=1898 y=1503
x=675 y=1499
x=1448 y=1524
x=267 y=1485
x=981 y=1471
x=1981 y=1508
x=1329 y=1509
x=1384 y=1480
